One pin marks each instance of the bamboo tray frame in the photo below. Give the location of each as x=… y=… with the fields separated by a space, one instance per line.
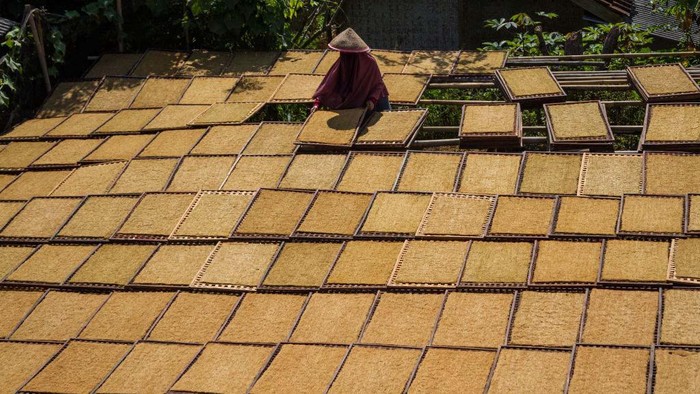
x=383 y=234
x=649 y=374
x=354 y=154
x=58 y=237
x=492 y=139
x=282 y=59
x=203 y=63
x=582 y=234
x=47 y=124
x=389 y=262
x=300 y=266
x=237 y=235
x=203 y=120
x=401 y=262
x=535 y=98
x=603 y=143
x=586 y=170
x=426 y=80
x=421 y=232
x=684 y=172
x=119 y=235
x=320 y=235
x=251 y=60
x=166 y=112
x=634 y=282
x=195 y=203
x=127 y=113
x=157 y=57
x=116 y=105
x=533 y=283
x=672 y=274
x=298 y=99
x=639 y=233
x=72 y=281
x=573 y=188
x=37 y=239
x=545 y=234
x=466 y=284
x=430 y=61
x=108 y=60
x=651 y=97
x=62 y=102
x=159 y=100
x=432 y=188
x=683 y=145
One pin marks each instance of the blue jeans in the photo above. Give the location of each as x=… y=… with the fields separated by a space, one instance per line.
x=383 y=104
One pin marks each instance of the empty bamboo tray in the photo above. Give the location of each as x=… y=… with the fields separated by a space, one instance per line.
x=578 y=125
x=530 y=85
x=663 y=82
x=491 y=125
x=671 y=127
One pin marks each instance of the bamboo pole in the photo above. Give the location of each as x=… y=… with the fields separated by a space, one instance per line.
x=120 y=26
x=39 y=43
x=614 y=56
x=616 y=129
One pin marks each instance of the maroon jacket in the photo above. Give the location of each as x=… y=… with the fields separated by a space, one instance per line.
x=353 y=80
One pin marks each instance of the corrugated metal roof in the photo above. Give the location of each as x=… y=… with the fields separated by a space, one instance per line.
x=6 y=25
x=644 y=15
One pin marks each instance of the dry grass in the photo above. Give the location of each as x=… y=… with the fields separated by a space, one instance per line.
x=126 y=316
x=335 y=213
x=328 y=60
x=225 y=140
x=174 y=265
x=430 y=263
x=490 y=174
x=224 y=368
x=80 y=367
x=33 y=128
x=636 y=261
x=80 y=124
x=274 y=212
x=313 y=171
x=113 y=264
x=611 y=175
x=578 y=121
x=91 y=179
x=255 y=89
x=273 y=139
x=669 y=174
x=114 y=94
x=193 y=318
x=41 y=218
x=495 y=119
x=474 y=319
x=160 y=63
x=567 y=262
x=457 y=215
x=11 y=257
x=675 y=371
x=396 y=213
x=368 y=172
x=333 y=318
x=453 y=371
x=405 y=88
x=18 y=155
x=332 y=127
x=297 y=87
x=390 y=127
x=251 y=63
x=365 y=263
x=173 y=143
x=547 y=319
x=584 y=215
x=128 y=121
x=227 y=113
x=6 y=179
x=498 y=262
x=679 y=323
x=68 y=98
x=550 y=173
x=208 y=90
x=390 y=61
x=264 y=318
x=51 y=264
x=593 y=373
x=205 y=63
x=649 y=214
x=145 y=175
x=59 y=316
x=113 y=64
x=159 y=92
x=403 y=319
x=254 y=172
x=431 y=62
x=522 y=216
x=68 y=152
x=201 y=173
x=237 y=264
x=98 y=217
x=300 y=368
x=16 y=304
x=664 y=80
x=430 y=172
x=527 y=82
x=150 y=368
x=8 y=209
x=621 y=317
x=296 y=62
x=476 y=62
x=686 y=258
x=375 y=370
x=672 y=123
x=175 y=117
x=19 y=361
x=34 y=184
x=119 y=147
x=157 y=214
x=530 y=371
x=213 y=215
x=302 y=264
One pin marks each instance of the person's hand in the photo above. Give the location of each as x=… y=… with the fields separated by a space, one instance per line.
x=370 y=105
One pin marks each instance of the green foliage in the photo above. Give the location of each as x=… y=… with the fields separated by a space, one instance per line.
x=687 y=15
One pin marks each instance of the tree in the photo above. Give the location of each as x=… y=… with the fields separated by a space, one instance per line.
x=687 y=15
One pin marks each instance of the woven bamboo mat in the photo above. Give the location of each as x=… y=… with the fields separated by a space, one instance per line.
x=405 y=88
x=145 y=175
x=390 y=61
x=331 y=127
x=32 y=128
x=474 y=62
x=80 y=125
x=313 y=171
x=159 y=92
x=175 y=117
x=201 y=173
x=250 y=63
x=254 y=172
x=297 y=88
x=114 y=93
x=203 y=63
x=226 y=113
x=68 y=98
x=296 y=62
x=165 y=63
x=208 y=90
x=255 y=89
x=431 y=62
x=113 y=64
x=128 y=121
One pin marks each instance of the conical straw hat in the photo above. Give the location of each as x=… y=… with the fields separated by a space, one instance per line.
x=348 y=41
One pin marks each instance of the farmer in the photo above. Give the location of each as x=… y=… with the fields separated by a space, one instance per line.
x=354 y=80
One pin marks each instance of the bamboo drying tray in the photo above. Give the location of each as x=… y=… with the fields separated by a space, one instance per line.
x=118 y=147
x=297 y=88
x=98 y=218
x=490 y=173
x=255 y=172
x=155 y=216
x=273 y=138
x=264 y=318
x=114 y=93
x=672 y=368
x=692 y=212
x=518 y=216
x=497 y=264
x=453 y=368
x=364 y=264
x=226 y=113
x=530 y=370
x=683 y=265
x=366 y=172
x=578 y=125
x=327 y=61
x=68 y=98
x=173 y=143
x=128 y=121
x=175 y=117
x=405 y=89
x=550 y=173
x=201 y=173
x=40 y=218
x=545 y=318
x=359 y=371
x=566 y=263
x=663 y=82
x=158 y=92
x=90 y=179
x=255 y=89
x=18 y=303
x=431 y=62
x=480 y=63
x=610 y=174
x=333 y=318
x=203 y=63
x=32 y=129
x=394 y=214
x=591 y=369
x=111 y=265
x=671 y=127
x=296 y=62
x=429 y=264
x=671 y=173
x=28 y=358
x=530 y=85
x=208 y=90
x=301 y=265
x=430 y=172
x=677 y=326
x=333 y=214
x=390 y=61
x=145 y=175
x=313 y=171
x=635 y=261
x=213 y=214
x=332 y=128
x=491 y=125
x=237 y=265
x=389 y=129
x=621 y=317
x=173 y=265
x=225 y=140
x=50 y=264
x=652 y=215
x=113 y=64
x=67 y=153
x=20 y=154
x=456 y=216
x=273 y=213
x=251 y=63
x=34 y=184
x=164 y=63
x=590 y=216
